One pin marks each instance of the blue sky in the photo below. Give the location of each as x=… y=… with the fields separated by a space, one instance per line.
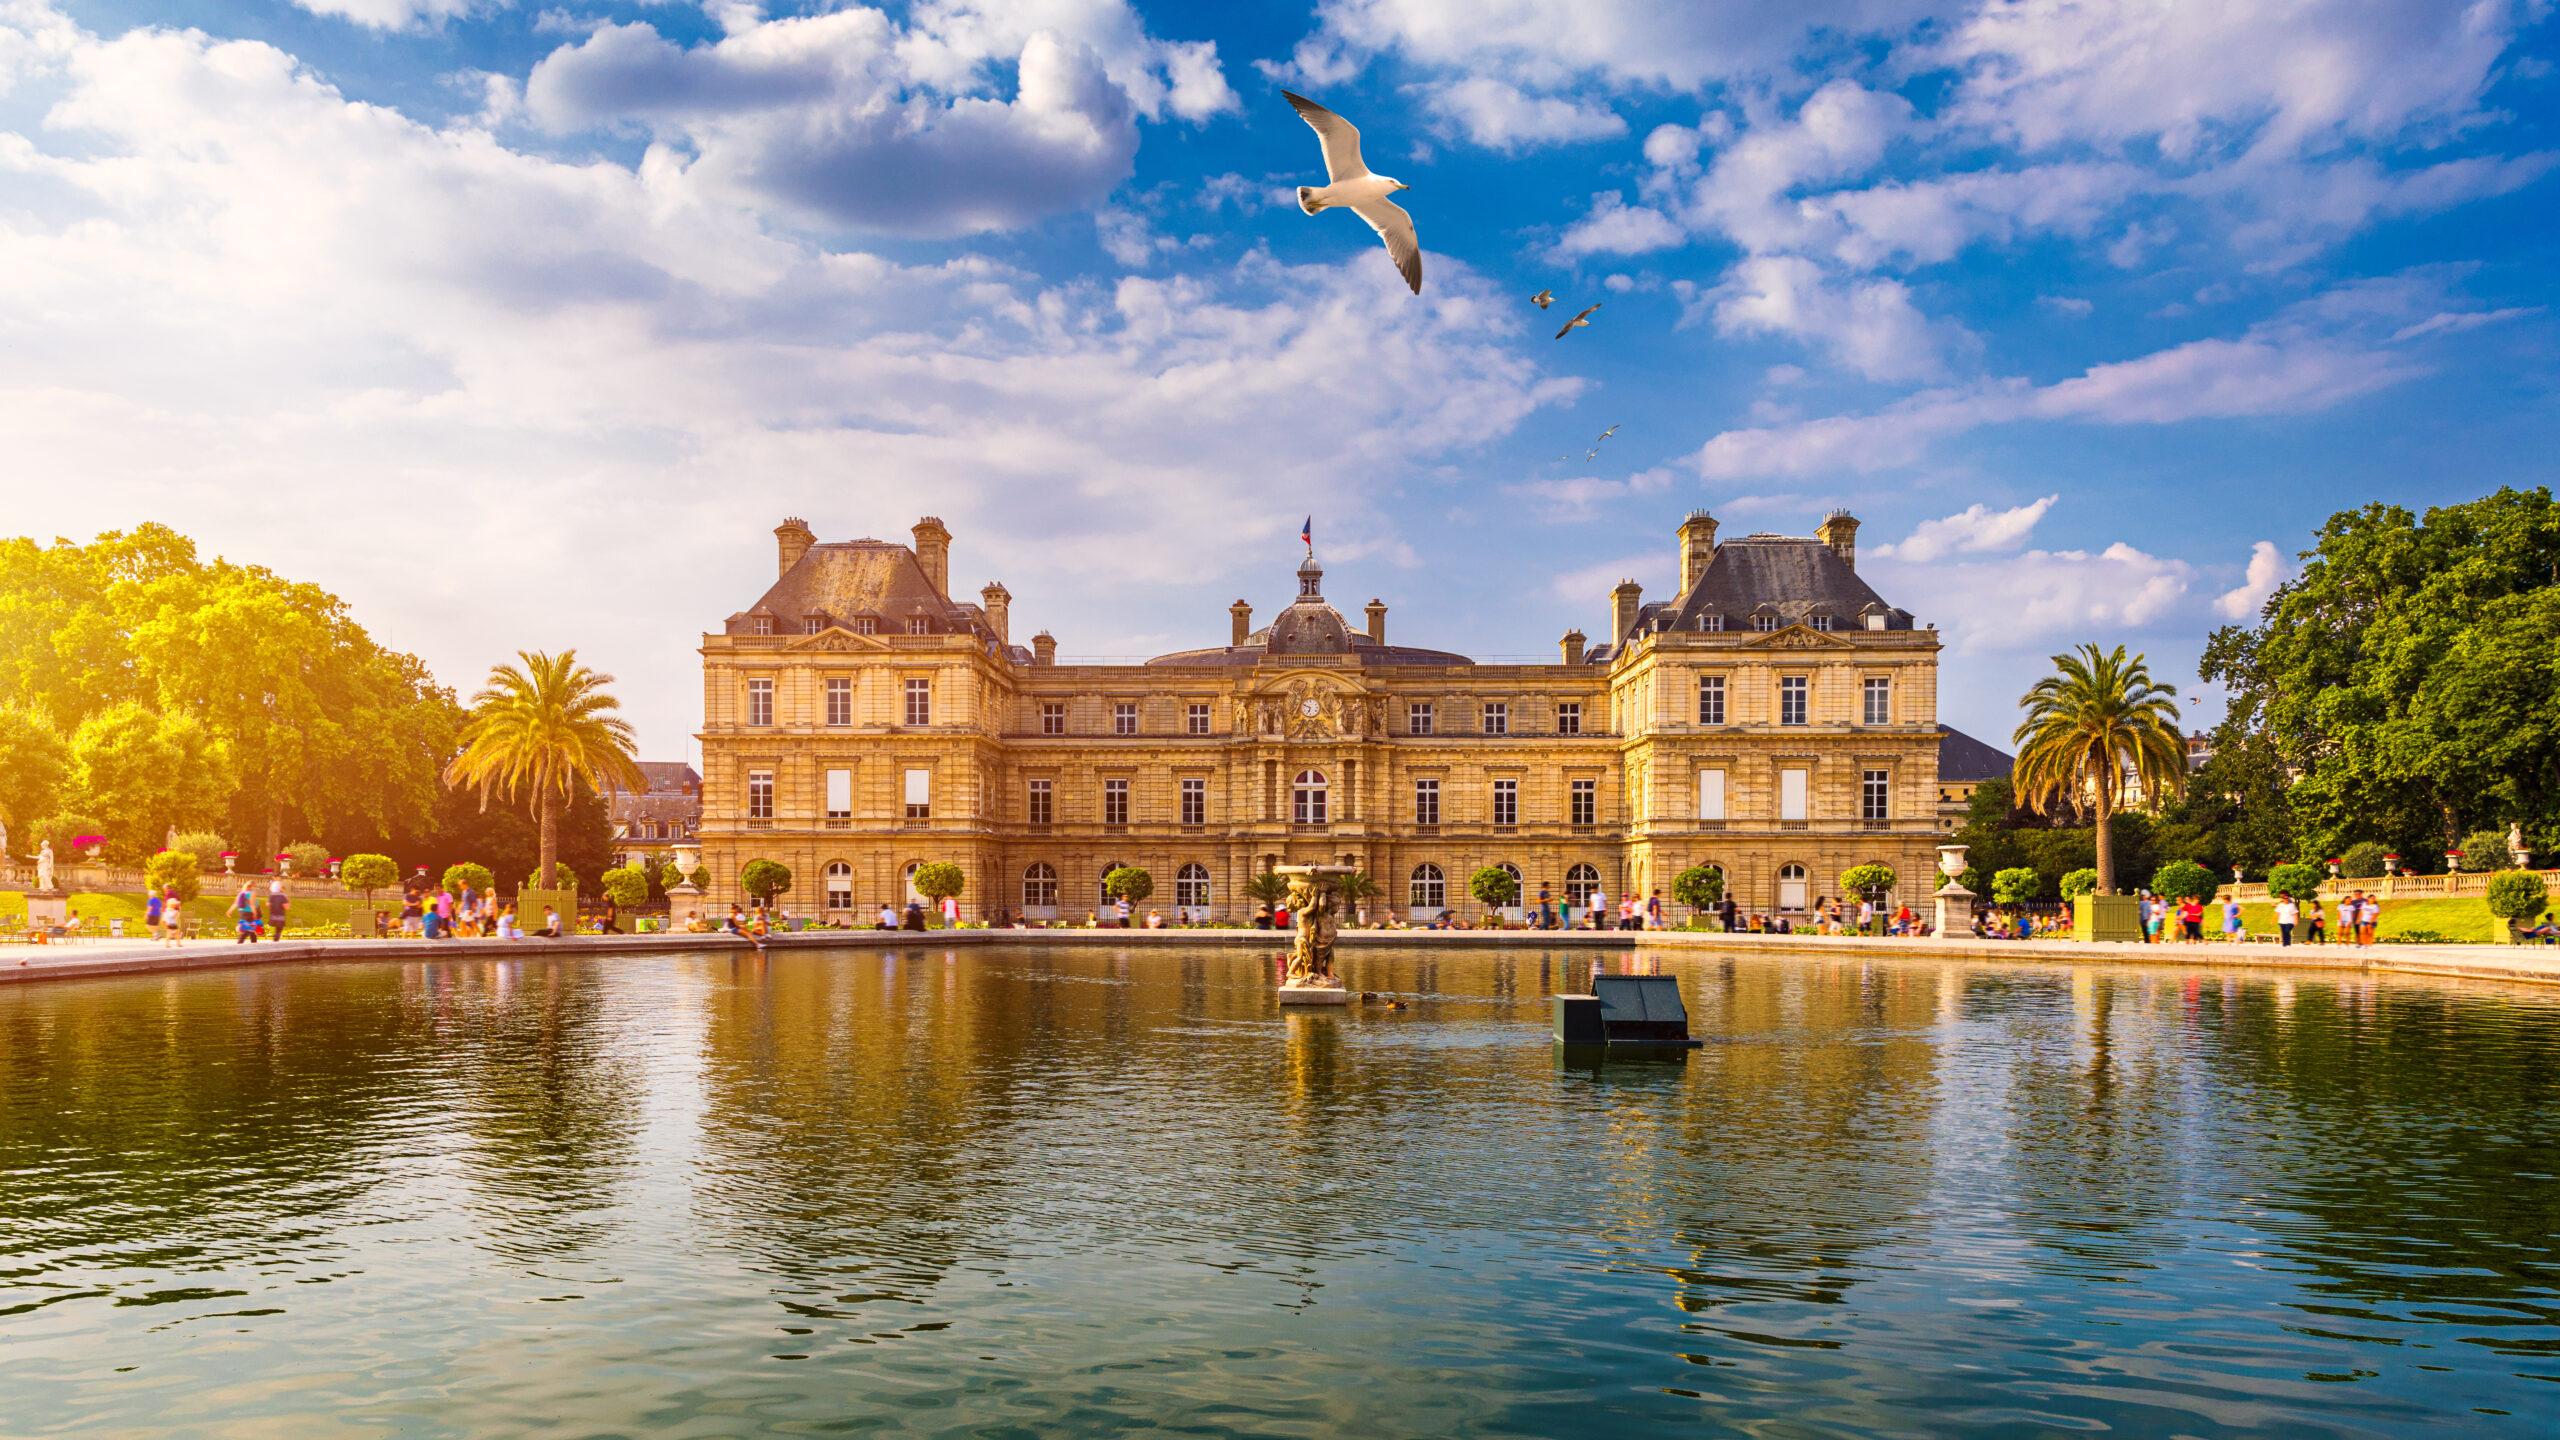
x=522 y=327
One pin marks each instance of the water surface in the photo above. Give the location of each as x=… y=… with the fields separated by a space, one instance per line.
x=1067 y=1191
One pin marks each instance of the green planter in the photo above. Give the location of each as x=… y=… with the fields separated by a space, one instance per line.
x=529 y=903
x=2106 y=917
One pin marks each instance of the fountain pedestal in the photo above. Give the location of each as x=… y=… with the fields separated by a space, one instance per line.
x=1315 y=914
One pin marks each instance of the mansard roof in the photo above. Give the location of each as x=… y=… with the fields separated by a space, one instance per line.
x=842 y=579
x=1963 y=759
x=1790 y=578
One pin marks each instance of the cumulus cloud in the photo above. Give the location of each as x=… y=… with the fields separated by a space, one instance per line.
x=851 y=118
x=1973 y=529
x=392 y=14
x=237 y=299
x=2040 y=598
x=1616 y=228
x=1870 y=326
x=1500 y=116
x=2267 y=570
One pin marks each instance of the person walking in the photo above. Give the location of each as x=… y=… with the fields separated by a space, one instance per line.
x=2288 y=915
x=2314 y=930
x=151 y=912
x=1866 y=914
x=278 y=903
x=2191 y=920
x=1653 y=911
x=2231 y=927
x=244 y=913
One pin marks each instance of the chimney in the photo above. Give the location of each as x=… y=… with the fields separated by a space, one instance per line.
x=1044 y=649
x=933 y=552
x=1378 y=621
x=1573 y=642
x=999 y=602
x=1623 y=604
x=1697 y=548
x=1839 y=530
x=1242 y=615
x=795 y=540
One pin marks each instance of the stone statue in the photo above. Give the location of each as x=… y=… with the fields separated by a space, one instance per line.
x=1315 y=912
x=44 y=866
x=2515 y=843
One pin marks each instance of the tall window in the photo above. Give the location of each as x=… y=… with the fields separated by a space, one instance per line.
x=1124 y=719
x=1195 y=804
x=1426 y=802
x=1039 y=804
x=1053 y=718
x=759 y=702
x=839 y=885
x=1875 y=790
x=1710 y=794
x=1506 y=802
x=840 y=702
x=1791 y=887
x=1879 y=696
x=1191 y=886
x=918 y=625
x=1711 y=700
x=919 y=702
x=1040 y=886
x=1497 y=718
x=1115 y=802
x=1586 y=802
x=1569 y=718
x=759 y=794
x=839 y=794
x=1792 y=794
x=1199 y=719
x=1791 y=699
x=1430 y=888
x=919 y=794
x=1417 y=718
x=1579 y=882
x=1307 y=798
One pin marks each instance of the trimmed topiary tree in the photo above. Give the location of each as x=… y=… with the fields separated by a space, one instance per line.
x=939 y=881
x=1859 y=879
x=701 y=877
x=468 y=874
x=1129 y=883
x=2295 y=879
x=2363 y=861
x=625 y=887
x=2517 y=895
x=175 y=870
x=561 y=878
x=764 y=879
x=2181 y=878
x=2076 y=883
x=368 y=873
x=1700 y=887
x=2020 y=883
x=1493 y=886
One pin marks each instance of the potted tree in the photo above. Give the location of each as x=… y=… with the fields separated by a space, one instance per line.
x=2516 y=895
x=366 y=874
x=178 y=871
x=939 y=881
x=1700 y=887
x=1131 y=884
x=625 y=888
x=763 y=880
x=2019 y=884
x=1873 y=881
x=1493 y=888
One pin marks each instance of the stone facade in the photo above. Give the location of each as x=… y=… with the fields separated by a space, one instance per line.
x=1774 y=718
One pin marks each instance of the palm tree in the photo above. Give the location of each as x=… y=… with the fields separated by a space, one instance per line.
x=545 y=726
x=1358 y=886
x=2095 y=718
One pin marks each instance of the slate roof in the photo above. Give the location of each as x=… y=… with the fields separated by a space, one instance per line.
x=670 y=777
x=1789 y=576
x=1963 y=759
x=1309 y=626
x=843 y=580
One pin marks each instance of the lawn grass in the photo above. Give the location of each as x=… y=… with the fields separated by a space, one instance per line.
x=208 y=912
x=2464 y=918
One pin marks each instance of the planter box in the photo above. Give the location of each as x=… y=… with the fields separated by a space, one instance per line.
x=530 y=902
x=2106 y=917
x=364 y=924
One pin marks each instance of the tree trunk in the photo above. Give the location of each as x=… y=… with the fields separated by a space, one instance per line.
x=550 y=843
x=2104 y=831
x=275 y=830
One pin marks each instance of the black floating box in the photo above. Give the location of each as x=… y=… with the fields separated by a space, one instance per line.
x=1578 y=1020
x=1641 y=1010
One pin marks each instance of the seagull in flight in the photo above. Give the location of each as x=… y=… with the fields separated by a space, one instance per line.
x=1543 y=299
x=1612 y=430
x=1354 y=186
x=1579 y=320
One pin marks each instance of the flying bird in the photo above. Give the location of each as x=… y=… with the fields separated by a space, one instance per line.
x=1543 y=299
x=1612 y=430
x=1582 y=319
x=1353 y=186
x=1594 y=455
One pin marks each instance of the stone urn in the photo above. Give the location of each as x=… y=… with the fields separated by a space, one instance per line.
x=1954 y=918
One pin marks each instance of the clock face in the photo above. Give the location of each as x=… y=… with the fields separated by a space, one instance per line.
x=1308 y=708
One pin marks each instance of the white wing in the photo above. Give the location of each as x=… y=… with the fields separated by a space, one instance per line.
x=1341 y=140
x=1396 y=228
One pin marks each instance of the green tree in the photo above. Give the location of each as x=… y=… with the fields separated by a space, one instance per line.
x=35 y=764
x=145 y=774
x=1867 y=879
x=701 y=877
x=2517 y=895
x=764 y=879
x=1129 y=883
x=2362 y=861
x=1358 y=888
x=545 y=728
x=205 y=847
x=2097 y=715
x=625 y=887
x=64 y=832
x=1268 y=887
x=2181 y=878
x=467 y=875
x=368 y=873
x=2484 y=850
x=2016 y=886
x=562 y=878
x=1700 y=887
x=2078 y=883
x=174 y=870
x=2297 y=880
x=1493 y=887
x=939 y=881
x=309 y=857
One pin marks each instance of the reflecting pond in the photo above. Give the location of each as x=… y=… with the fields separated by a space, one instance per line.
x=1076 y=1191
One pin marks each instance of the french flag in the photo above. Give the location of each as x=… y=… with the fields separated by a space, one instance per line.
x=1307 y=532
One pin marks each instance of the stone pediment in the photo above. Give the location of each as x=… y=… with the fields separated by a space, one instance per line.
x=1311 y=706
x=1797 y=637
x=836 y=637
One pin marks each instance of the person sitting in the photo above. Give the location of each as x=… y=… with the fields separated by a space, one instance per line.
x=915 y=917
x=1155 y=920
x=2542 y=930
x=550 y=924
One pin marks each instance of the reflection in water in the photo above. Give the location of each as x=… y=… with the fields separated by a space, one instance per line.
x=1084 y=1190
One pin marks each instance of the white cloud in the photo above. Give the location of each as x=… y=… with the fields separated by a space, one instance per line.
x=2267 y=570
x=1580 y=497
x=1654 y=569
x=393 y=14
x=1973 y=529
x=1871 y=327
x=2042 y=597
x=1616 y=228
x=243 y=304
x=2450 y=322
x=1500 y=116
x=849 y=117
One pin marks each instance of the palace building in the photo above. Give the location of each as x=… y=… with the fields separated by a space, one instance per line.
x=1775 y=718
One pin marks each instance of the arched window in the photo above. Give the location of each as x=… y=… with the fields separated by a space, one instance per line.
x=1791 y=887
x=839 y=885
x=1519 y=886
x=1579 y=882
x=1430 y=888
x=1191 y=886
x=1309 y=793
x=1107 y=868
x=1040 y=886
x=914 y=896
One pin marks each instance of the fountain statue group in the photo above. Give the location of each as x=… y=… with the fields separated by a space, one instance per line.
x=1315 y=913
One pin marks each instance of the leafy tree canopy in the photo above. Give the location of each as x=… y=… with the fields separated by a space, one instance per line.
x=205 y=847
x=764 y=879
x=2517 y=895
x=1493 y=886
x=2297 y=880
x=174 y=870
x=368 y=873
x=2181 y=878
x=2483 y=850
x=626 y=886
x=2402 y=683
x=940 y=880
x=2078 y=883
x=1858 y=879
x=35 y=764
x=467 y=875
x=1129 y=883
x=145 y=774
x=2019 y=885
x=2362 y=861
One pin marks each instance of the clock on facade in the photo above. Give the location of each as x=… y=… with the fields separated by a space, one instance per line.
x=1308 y=708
